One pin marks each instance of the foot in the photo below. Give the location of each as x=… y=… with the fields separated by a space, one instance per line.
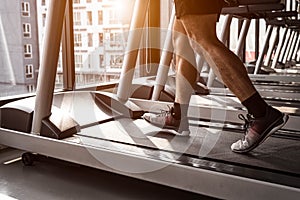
x=259 y=129
x=166 y=121
x=201 y=89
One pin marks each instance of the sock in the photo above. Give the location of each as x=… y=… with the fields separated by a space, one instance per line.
x=255 y=105
x=180 y=110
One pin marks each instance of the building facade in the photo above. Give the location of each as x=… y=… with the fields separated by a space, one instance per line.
x=19 y=50
x=99 y=39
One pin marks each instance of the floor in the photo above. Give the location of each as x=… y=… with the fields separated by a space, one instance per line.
x=54 y=179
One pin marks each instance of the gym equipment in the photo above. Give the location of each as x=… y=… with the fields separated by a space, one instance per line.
x=108 y=135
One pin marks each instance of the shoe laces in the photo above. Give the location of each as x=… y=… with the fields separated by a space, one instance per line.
x=164 y=113
x=248 y=121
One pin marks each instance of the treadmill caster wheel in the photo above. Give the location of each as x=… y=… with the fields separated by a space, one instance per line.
x=28 y=159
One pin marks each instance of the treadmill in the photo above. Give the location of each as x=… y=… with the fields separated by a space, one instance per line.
x=104 y=130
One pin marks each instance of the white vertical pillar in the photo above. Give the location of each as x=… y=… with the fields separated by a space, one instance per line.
x=263 y=50
x=242 y=37
x=47 y=72
x=282 y=35
x=273 y=38
x=165 y=61
x=132 y=49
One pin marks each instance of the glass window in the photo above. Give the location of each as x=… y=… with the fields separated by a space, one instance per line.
x=90 y=39
x=89 y=17
x=77 y=40
x=114 y=17
x=77 y=18
x=27 y=30
x=100 y=17
x=101 y=59
x=100 y=39
x=29 y=71
x=31 y=88
x=22 y=31
x=78 y=61
x=25 y=9
x=116 y=61
x=28 y=51
x=115 y=39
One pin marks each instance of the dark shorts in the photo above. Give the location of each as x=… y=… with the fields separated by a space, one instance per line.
x=198 y=7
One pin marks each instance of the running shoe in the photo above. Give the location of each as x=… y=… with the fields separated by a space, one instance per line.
x=167 y=122
x=259 y=129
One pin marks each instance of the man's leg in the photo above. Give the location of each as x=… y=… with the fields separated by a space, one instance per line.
x=228 y=67
x=186 y=74
x=186 y=71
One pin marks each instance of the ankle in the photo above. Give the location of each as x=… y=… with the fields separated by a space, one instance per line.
x=256 y=106
x=180 y=110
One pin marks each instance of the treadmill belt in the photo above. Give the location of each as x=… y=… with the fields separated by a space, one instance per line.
x=276 y=154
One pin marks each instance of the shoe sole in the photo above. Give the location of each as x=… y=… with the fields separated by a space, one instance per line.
x=169 y=129
x=174 y=132
x=265 y=135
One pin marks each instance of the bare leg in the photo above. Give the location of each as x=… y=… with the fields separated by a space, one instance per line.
x=186 y=72
x=226 y=65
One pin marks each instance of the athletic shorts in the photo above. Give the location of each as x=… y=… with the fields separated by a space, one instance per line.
x=198 y=7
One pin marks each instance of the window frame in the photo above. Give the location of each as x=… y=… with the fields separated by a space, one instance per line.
x=25 y=9
x=29 y=74
x=27 y=51
x=26 y=30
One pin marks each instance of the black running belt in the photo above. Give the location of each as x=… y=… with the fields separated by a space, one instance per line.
x=276 y=154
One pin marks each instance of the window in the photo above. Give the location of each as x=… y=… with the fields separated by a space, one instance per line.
x=100 y=17
x=77 y=40
x=29 y=71
x=89 y=17
x=113 y=17
x=115 y=39
x=26 y=30
x=116 y=61
x=44 y=19
x=28 y=51
x=77 y=18
x=90 y=39
x=21 y=51
x=25 y=9
x=30 y=88
x=101 y=60
x=100 y=39
x=78 y=61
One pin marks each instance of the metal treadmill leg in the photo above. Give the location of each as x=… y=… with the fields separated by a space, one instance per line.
x=242 y=37
x=279 y=47
x=294 y=56
x=263 y=50
x=292 y=48
x=285 y=45
x=289 y=46
x=47 y=74
x=165 y=61
x=132 y=49
x=271 y=46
